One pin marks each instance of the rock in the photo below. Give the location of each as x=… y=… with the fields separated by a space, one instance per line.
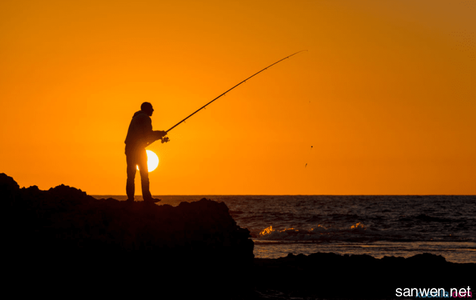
x=329 y=275
x=65 y=231
x=8 y=188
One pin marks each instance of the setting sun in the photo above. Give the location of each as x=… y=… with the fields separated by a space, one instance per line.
x=152 y=161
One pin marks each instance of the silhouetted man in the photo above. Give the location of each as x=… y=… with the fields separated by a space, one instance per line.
x=139 y=135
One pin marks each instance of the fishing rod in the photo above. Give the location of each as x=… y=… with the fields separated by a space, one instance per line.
x=232 y=88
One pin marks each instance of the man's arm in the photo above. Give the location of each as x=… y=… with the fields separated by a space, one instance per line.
x=157 y=135
x=150 y=135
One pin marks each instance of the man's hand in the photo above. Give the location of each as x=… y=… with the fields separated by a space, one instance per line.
x=161 y=135
x=158 y=134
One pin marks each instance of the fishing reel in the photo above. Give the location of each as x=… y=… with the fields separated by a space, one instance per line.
x=165 y=139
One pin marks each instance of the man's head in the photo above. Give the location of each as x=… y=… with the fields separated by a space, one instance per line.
x=147 y=108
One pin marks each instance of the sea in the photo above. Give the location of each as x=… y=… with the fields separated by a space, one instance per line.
x=400 y=226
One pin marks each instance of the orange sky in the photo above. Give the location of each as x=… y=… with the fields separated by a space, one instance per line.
x=385 y=94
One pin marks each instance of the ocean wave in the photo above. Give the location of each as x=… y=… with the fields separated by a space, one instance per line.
x=316 y=233
x=427 y=218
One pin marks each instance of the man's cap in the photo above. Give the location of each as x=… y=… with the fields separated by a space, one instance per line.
x=146 y=106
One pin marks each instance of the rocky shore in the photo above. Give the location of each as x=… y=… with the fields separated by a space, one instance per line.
x=328 y=276
x=64 y=240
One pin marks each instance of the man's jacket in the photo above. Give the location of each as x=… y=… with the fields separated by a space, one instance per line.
x=140 y=133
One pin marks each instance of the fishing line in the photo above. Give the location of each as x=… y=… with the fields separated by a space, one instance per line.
x=233 y=88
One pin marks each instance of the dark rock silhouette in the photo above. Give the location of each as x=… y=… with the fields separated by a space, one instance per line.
x=68 y=219
x=329 y=275
x=64 y=241
x=65 y=232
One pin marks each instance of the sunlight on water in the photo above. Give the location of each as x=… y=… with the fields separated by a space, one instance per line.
x=266 y=231
x=358 y=226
